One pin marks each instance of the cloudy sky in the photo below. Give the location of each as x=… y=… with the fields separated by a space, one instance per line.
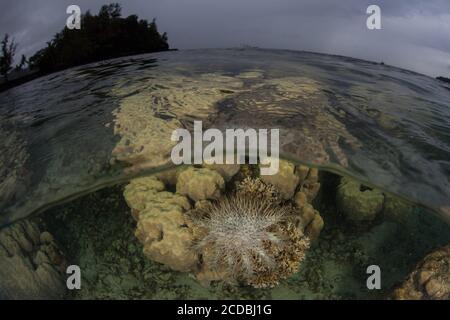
x=415 y=34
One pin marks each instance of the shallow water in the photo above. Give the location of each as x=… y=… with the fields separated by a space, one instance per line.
x=71 y=139
x=96 y=232
x=75 y=131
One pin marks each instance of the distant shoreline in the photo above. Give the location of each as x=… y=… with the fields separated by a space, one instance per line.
x=443 y=79
x=37 y=74
x=20 y=80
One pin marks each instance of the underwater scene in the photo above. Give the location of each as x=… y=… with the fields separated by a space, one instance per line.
x=358 y=208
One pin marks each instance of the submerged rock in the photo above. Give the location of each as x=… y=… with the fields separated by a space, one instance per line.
x=430 y=279
x=31 y=265
x=357 y=203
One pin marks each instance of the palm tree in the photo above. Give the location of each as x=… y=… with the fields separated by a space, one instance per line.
x=8 y=50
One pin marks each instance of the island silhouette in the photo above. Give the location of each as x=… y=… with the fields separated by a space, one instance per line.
x=105 y=35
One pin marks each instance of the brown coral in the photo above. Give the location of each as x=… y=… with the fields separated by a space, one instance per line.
x=257 y=189
x=430 y=280
x=161 y=223
x=253 y=236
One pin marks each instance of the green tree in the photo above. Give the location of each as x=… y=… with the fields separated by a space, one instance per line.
x=111 y=11
x=102 y=36
x=8 y=50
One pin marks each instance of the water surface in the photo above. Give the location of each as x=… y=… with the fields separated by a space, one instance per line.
x=75 y=131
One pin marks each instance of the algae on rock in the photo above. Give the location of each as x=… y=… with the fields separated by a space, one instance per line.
x=357 y=204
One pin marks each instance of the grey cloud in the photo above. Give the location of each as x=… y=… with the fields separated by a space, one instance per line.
x=415 y=34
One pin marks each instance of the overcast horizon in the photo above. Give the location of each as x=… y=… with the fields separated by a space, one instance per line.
x=415 y=34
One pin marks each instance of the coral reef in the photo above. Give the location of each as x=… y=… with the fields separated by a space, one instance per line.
x=97 y=232
x=169 y=177
x=429 y=280
x=257 y=189
x=307 y=192
x=227 y=171
x=358 y=203
x=310 y=185
x=161 y=224
x=285 y=180
x=361 y=205
x=311 y=220
x=200 y=184
x=251 y=234
x=141 y=191
x=289 y=177
x=145 y=121
x=299 y=106
x=31 y=265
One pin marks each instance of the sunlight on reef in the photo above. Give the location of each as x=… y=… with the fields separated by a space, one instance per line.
x=145 y=121
x=296 y=105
